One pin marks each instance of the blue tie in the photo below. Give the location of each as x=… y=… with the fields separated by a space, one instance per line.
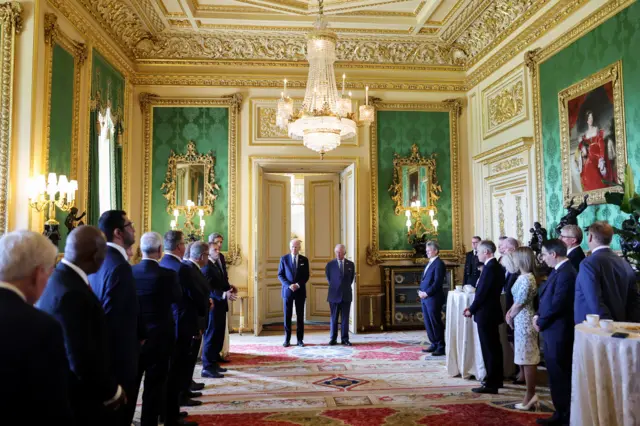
x=341 y=268
x=295 y=266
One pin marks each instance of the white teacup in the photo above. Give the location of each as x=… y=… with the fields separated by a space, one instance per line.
x=593 y=320
x=606 y=324
x=458 y=288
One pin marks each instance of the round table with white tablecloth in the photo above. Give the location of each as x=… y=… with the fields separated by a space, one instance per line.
x=605 y=381
x=463 y=353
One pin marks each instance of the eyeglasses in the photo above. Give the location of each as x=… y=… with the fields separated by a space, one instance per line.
x=567 y=236
x=131 y=224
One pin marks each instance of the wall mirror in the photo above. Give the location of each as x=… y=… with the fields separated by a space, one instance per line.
x=414 y=186
x=190 y=181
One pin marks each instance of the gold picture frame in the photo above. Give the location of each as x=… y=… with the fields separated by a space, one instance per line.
x=233 y=102
x=592 y=135
x=191 y=158
x=10 y=26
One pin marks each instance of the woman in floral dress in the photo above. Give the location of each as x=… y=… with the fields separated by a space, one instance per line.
x=519 y=317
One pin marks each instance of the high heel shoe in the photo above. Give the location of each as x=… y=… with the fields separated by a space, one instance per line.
x=534 y=401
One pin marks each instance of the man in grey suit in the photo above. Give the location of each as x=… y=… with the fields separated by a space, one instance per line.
x=340 y=273
x=606 y=283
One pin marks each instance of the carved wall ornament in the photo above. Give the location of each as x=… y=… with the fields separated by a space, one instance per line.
x=267 y=127
x=501 y=216
x=504 y=103
x=507 y=165
x=519 y=221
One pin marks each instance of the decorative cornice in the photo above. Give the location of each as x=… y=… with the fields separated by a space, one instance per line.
x=11 y=12
x=505 y=150
x=464 y=19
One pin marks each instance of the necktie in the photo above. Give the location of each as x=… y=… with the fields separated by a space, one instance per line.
x=295 y=265
x=341 y=268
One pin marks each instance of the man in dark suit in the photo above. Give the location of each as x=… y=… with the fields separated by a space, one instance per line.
x=432 y=298
x=293 y=274
x=471 y=263
x=96 y=397
x=220 y=291
x=487 y=312
x=185 y=314
x=115 y=287
x=198 y=258
x=571 y=236
x=157 y=289
x=555 y=321
x=340 y=273
x=33 y=363
x=606 y=284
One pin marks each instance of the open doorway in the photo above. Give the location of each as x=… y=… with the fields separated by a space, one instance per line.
x=315 y=202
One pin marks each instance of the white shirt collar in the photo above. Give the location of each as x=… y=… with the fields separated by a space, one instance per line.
x=194 y=263
x=561 y=263
x=14 y=289
x=171 y=254
x=572 y=249
x=599 y=248
x=122 y=251
x=77 y=270
x=153 y=260
x=489 y=260
x=433 y=258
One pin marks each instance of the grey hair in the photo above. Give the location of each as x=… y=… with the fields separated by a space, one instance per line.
x=487 y=245
x=340 y=246
x=294 y=240
x=433 y=245
x=575 y=232
x=198 y=249
x=21 y=252
x=511 y=243
x=509 y=264
x=150 y=242
x=213 y=237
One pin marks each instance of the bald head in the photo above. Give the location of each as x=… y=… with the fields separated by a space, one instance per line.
x=86 y=247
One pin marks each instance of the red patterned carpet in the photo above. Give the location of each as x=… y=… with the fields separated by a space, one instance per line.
x=383 y=379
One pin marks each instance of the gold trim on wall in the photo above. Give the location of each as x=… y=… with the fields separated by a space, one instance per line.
x=10 y=25
x=52 y=36
x=233 y=102
x=535 y=57
x=504 y=103
x=454 y=107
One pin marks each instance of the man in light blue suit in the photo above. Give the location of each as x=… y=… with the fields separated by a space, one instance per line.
x=432 y=298
x=340 y=274
x=606 y=283
x=293 y=274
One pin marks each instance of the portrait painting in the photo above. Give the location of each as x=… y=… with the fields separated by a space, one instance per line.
x=592 y=135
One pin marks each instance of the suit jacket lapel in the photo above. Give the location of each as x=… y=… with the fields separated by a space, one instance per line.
x=550 y=281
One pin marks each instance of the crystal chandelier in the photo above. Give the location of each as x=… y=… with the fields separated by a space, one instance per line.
x=325 y=118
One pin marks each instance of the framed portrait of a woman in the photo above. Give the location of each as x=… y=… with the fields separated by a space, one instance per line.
x=592 y=135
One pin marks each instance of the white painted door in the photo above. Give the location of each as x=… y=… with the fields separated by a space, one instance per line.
x=348 y=230
x=274 y=242
x=322 y=233
x=258 y=260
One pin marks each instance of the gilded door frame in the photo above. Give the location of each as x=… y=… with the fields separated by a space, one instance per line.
x=53 y=35
x=376 y=256
x=233 y=102
x=10 y=25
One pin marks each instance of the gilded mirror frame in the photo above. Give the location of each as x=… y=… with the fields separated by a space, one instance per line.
x=397 y=187
x=192 y=158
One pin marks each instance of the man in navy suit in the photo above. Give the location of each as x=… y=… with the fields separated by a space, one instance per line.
x=606 y=283
x=571 y=236
x=157 y=289
x=115 y=287
x=185 y=316
x=96 y=397
x=487 y=312
x=432 y=298
x=220 y=291
x=340 y=273
x=555 y=321
x=33 y=363
x=293 y=274
x=471 y=263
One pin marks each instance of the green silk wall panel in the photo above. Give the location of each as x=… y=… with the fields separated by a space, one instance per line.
x=397 y=131
x=61 y=123
x=208 y=128
x=616 y=39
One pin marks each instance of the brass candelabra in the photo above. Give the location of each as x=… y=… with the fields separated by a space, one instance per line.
x=47 y=195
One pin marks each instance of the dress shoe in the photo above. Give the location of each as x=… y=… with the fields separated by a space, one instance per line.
x=332 y=343
x=429 y=349
x=485 y=389
x=286 y=344
x=221 y=369
x=222 y=360
x=188 y=402
x=196 y=386
x=438 y=352
x=484 y=384
x=185 y=422
x=534 y=402
x=347 y=343
x=191 y=394
x=519 y=382
x=211 y=374
x=300 y=343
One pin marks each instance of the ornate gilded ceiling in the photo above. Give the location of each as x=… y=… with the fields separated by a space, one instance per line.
x=442 y=34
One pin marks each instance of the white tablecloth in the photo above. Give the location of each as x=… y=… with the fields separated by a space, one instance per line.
x=464 y=355
x=605 y=381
